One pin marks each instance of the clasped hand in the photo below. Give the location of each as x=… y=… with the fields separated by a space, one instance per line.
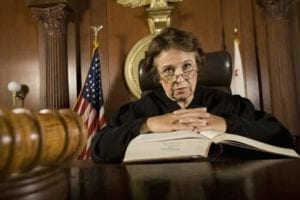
x=196 y=119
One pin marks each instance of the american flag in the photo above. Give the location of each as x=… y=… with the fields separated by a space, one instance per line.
x=90 y=104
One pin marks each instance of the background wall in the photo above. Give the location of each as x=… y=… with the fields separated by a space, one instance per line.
x=212 y=21
x=19 y=58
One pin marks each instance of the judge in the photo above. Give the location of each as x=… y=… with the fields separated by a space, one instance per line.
x=175 y=58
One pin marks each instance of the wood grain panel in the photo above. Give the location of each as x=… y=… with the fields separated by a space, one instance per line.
x=18 y=52
x=204 y=19
x=248 y=47
x=125 y=27
x=262 y=58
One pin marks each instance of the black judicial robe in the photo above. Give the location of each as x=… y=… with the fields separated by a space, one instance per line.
x=110 y=143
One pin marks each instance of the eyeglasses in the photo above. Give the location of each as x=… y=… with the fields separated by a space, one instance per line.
x=188 y=72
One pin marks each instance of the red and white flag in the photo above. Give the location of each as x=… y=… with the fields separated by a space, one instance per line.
x=238 y=84
x=90 y=104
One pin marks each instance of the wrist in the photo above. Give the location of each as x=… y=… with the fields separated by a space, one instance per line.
x=144 y=128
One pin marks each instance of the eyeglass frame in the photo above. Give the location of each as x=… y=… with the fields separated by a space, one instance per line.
x=183 y=74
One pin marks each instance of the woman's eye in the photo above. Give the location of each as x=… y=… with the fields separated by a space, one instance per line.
x=187 y=67
x=168 y=71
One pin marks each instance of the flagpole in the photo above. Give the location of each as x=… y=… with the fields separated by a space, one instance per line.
x=238 y=84
x=90 y=103
x=96 y=29
x=236 y=35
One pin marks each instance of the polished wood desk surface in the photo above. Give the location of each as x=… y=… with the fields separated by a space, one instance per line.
x=214 y=179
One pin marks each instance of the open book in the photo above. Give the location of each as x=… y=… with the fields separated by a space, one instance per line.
x=188 y=144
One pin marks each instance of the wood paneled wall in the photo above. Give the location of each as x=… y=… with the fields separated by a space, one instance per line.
x=213 y=21
x=19 y=59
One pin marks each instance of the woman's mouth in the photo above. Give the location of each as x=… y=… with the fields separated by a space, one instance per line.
x=180 y=90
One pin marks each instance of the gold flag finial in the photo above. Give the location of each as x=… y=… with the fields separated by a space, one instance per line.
x=236 y=31
x=96 y=29
x=236 y=35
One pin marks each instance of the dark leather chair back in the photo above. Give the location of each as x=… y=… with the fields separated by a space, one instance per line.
x=216 y=72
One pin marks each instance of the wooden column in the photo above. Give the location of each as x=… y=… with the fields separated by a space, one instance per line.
x=53 y=18
x=283 y=89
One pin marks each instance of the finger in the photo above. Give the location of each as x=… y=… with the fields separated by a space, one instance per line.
x=199 y=115
x=200 y=123
x=182 y=127
x=193 y=121
x=202 y=128
x=191 y=110
x=191 y=115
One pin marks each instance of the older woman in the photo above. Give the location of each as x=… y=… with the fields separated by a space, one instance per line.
x=174 y=57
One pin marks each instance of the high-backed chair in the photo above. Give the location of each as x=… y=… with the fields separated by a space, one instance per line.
x=216 y=72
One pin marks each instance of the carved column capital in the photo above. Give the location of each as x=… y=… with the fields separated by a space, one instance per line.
x=53 y=18
x=276 y=8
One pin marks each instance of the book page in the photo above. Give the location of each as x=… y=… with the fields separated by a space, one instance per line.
x=211 y=134
x=167 y=149
x=244 y=142
x=152 y=137
x=248 y=143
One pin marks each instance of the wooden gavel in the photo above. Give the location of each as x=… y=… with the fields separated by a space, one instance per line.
x=32 y=139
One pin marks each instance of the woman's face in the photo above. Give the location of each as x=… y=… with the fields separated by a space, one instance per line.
x=177 y=70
